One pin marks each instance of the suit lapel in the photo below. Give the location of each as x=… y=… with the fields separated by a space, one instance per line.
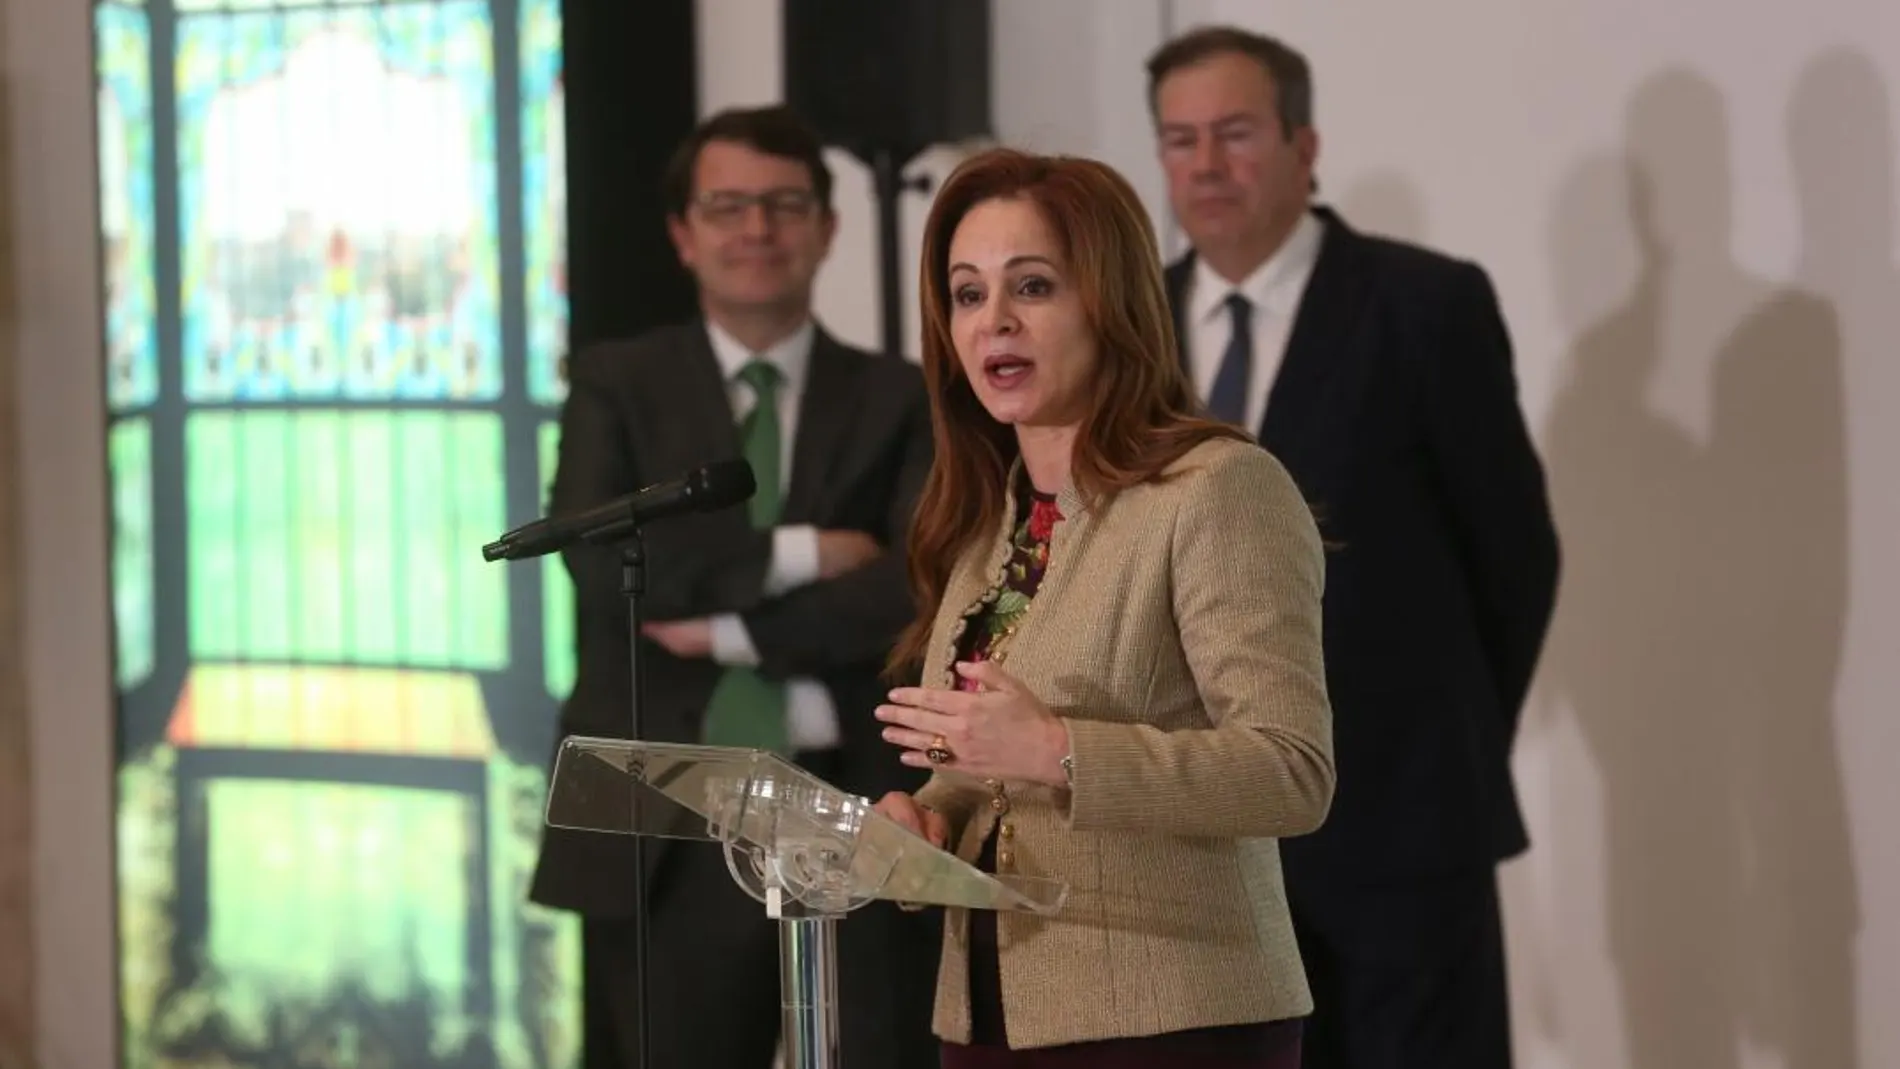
x=833 y=387
x=1176 y=279
x=684 y=420
x=1322 y=329
x=694 y=407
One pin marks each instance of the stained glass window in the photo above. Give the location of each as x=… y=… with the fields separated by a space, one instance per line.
x=557 y=623
x=544 y=187
x=544 y=192
x=129 y=453
x=126 y=210
x=345 y=537
x=337 y=204
x=128 y=255
x=324 y=337
x=289 y=854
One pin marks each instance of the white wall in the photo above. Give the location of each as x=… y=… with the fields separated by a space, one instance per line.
x=1709 y=763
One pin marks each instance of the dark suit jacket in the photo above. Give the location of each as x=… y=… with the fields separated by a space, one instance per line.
x=1395 y=410
x=641 y=411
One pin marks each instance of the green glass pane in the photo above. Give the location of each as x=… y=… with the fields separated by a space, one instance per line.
x=130 y=452
x=312 y=884
x=557 y=589
x=327 y=536
x=370 y=541
x=266 y=552
x=212 y=503
x=426 y=597
x=319 y=535
x=478 y=461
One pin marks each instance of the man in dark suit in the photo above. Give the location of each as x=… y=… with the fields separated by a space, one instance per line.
x=771 y=621
x=1381 y=375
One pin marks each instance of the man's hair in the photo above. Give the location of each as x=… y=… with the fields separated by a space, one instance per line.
x=1291 y=76
x=775 y=131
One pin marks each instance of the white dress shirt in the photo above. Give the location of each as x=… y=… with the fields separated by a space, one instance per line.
x=811 y=718
x=1274 y=289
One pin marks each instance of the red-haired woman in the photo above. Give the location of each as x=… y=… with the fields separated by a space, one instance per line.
x=1120 y=645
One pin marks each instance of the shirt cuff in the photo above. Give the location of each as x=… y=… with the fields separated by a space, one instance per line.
x=794 y=559
x=811 y=720
x=732 y=643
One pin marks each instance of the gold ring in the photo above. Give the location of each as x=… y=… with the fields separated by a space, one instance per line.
x=939 y=752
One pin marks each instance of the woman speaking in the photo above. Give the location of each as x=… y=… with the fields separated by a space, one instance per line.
x=1120 y=644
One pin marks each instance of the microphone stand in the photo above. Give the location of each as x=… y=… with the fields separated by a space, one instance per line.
x=633 y=584
x=617 y=523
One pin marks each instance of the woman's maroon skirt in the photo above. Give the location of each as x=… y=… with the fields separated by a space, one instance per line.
x=1253 y=1046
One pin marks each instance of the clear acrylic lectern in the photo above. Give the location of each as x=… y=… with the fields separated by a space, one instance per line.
x=807 y=851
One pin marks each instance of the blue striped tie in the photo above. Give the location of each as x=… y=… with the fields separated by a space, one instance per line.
x=1227 y=400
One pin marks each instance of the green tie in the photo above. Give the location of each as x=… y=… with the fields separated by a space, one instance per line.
x=746 y=709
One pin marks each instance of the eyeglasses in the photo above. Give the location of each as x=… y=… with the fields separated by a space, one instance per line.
x=1245 y=139
x=725 y=207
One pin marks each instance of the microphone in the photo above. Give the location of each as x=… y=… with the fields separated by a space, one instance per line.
x=715 y=486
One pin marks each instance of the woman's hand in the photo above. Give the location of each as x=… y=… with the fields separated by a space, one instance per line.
x=919 y=818
x=1001 y=731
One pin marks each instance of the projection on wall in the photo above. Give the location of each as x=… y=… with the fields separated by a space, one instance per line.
x=334 y=248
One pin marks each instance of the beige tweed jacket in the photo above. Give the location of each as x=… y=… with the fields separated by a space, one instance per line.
x=1177 y=631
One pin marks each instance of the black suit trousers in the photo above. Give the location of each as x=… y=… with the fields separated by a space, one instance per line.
x=1407 y=976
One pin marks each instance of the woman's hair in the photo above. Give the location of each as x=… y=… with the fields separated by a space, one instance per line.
x=1142 y=416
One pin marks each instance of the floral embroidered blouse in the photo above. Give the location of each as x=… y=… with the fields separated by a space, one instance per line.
x=990 y=627
x=1005 y=605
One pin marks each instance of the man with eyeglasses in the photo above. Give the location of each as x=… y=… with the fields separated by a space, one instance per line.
x=771 y=622
x=1381 y=375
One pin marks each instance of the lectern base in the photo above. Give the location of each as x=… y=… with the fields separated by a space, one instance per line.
x=808 y=992
x=810 y=852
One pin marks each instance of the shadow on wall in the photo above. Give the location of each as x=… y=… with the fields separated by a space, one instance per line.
x=1700 y=631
